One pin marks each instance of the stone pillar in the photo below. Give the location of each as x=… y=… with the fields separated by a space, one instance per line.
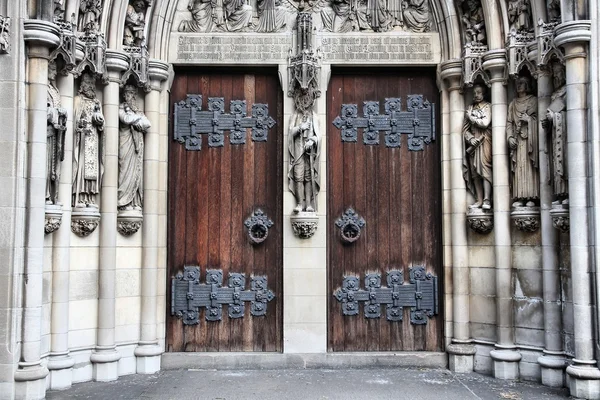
x=506 y=358
x=584 y=375
x=553 y=361
x=305 y=259
x=61 y=363
x=461 y=350
x=105 y=356
x=30 y=375
x=148 y=350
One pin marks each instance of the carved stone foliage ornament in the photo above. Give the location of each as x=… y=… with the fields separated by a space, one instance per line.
x=526 y=219
x=418 y=122
x=258 y=225
x=53 y=218
x=420 y=294
x=304 y=224
x=350 y=224
x=480 y=221
x=188 y=295
x=190 y=122
x=560 y=217
x=4 y=34
x=84 y=221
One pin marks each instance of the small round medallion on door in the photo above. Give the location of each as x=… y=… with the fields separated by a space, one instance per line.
x=258 y=225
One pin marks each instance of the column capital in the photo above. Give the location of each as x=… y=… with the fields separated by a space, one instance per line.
x=494 y=61
x=576 y=33
x=116 y=61
x=158 y=70
x=451 y=72
x=40 y=33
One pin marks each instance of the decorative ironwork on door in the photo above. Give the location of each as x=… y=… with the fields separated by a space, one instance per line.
x=421 y=295
x=188 y=295
x=418 y=122
x=190 y=122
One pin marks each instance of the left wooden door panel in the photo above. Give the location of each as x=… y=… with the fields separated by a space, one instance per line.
x=211 y=193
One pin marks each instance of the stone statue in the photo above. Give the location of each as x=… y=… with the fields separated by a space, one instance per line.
x=477 y=163
x=555 y=125
x=554 y=13
x=55 y=137
x=89 y=14
x=88 y=151
x=135 y=22
x=304 y=146
x=133 y=124
x=474 y=22
x=342 y=16
x=234 y=16
x=522 y=136
x=59 y=11
x=416 y=15
x=519 y=15
x=202 y=17
x=379 y=17
x=272 y=16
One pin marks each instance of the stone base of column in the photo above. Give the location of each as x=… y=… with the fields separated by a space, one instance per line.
x=506 y=363
x=584 y=381
x=147 y=358
x=61 y=371
x=553 y=369
x=461 y=357
x=30 y=381
x=106 y=366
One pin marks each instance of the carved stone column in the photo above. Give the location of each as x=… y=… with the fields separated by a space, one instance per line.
x=584 y=375
x=61 y=363
x=553 y=360
x=105 y=355
x=30 y=375
x=461 y=350
x=506 y=358
x=148 y=350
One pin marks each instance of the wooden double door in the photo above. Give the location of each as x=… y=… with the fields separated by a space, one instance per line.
x=398 y=194
x=212 y=192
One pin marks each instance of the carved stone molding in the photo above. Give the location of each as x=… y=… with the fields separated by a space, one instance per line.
x=53 y=218
x=546 y=46
x=560 y=217
x=526 y=219
x=304 y=224
x=129 y=221
x=517 y=52
x=84 y=220
x=139 y=59
x=480 y=220
x=473 y=64
x=67 y=47
x=4 y=34
x=94 y=55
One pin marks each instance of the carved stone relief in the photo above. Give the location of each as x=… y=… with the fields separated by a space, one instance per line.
x=88 y=151
x=135 y=23
x=4 y=34
x=89 y=16
x=477 y=162
x=233 y=16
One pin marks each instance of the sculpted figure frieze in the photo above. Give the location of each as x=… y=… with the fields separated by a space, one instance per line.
x=342 y=16
x=555 y=125
x=224 y=16
x=89 y=15
x=519 y=15
x=416 y=15
x=522 y=136
x=55 y=136
x=88 y=151
x=473 y=22
x=135 y=23
x=477 y=162
x=133 y=124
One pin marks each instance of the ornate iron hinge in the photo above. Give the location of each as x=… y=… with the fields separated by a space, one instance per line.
x=418 y=122
x=421 y=295
x=188 y=295
x=191 y=122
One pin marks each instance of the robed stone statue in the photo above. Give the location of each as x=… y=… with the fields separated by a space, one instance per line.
x=522 y=136
x=304 y=147
x=477 y=163
x=133 y=124
x=55 y=136
x=88 y=151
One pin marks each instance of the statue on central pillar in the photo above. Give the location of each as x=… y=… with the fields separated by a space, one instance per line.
x=304 y=146
x=522 y=136
x=477 y=163
x=55 y=136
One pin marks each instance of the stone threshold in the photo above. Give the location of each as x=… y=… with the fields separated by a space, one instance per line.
x=270 y=361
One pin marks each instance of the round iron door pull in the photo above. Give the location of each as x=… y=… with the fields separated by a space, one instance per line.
x=258 y=225
x=350 y=224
